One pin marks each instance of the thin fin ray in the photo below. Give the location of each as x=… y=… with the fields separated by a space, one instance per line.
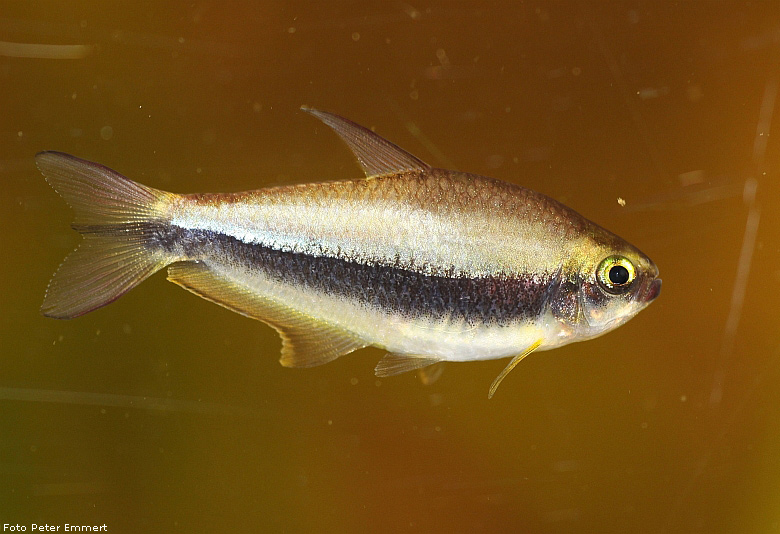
x=376 y=154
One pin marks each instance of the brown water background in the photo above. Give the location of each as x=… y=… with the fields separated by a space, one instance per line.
x=165 y=413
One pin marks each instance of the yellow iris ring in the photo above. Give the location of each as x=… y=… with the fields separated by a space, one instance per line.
x=602 y=273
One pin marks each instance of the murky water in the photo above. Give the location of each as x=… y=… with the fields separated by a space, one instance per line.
x=163 y=412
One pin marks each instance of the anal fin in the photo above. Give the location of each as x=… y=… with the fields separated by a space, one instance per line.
x=394 y=364
x=306 y=341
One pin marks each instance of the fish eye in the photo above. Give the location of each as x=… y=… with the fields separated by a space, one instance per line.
x=615 y=274
x=618 y=275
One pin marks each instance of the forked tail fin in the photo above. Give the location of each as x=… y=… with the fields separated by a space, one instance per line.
x=118 y=219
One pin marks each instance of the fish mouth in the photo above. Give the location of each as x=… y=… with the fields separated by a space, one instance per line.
x=653 y=290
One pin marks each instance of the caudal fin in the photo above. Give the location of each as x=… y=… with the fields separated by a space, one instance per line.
x=117 y=218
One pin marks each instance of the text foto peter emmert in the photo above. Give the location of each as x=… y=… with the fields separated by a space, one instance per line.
x=67 y=527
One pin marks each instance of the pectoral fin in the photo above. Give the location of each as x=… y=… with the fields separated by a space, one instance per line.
x=517 y=359
x=395 y=364
x=429 y=375
x=306 y=342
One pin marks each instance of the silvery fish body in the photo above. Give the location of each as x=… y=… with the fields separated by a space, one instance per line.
x=430 y=264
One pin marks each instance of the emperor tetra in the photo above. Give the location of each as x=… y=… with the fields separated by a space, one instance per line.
x=430 y=264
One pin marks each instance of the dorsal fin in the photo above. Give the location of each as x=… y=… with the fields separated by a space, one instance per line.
x=376 y=155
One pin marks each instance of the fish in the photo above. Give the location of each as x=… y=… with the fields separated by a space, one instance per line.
x=432 y=265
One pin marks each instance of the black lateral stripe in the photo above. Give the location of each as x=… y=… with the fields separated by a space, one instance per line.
x=486 y=300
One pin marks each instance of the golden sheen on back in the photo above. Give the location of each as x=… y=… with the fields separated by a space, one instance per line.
x=430 y=264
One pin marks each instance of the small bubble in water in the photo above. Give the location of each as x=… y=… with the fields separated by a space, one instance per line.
x=355 y=36
x=106 y=133
x=494 y=161
x=209 y=136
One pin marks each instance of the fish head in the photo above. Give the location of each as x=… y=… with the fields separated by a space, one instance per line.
x=606 y=282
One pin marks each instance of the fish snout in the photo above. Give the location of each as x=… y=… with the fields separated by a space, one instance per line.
x=652 y=291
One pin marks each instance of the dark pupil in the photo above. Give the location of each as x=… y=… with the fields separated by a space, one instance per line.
x=618 y=275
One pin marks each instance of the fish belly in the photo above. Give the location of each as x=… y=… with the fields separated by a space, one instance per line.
x=415 y=332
